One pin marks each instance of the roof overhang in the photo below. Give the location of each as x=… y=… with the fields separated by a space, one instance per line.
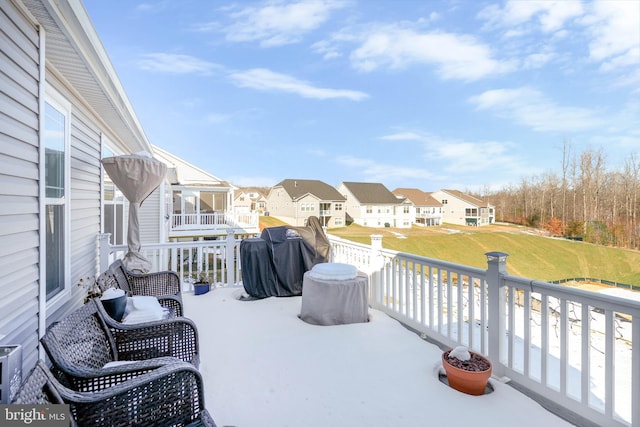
x=76 y=54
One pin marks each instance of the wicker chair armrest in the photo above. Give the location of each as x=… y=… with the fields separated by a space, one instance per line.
x=98 y=379
x=173 y=303
x=170 y=395
x=176 y=337
x=154 y=284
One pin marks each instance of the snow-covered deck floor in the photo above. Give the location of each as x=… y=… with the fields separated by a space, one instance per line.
x=264 y=367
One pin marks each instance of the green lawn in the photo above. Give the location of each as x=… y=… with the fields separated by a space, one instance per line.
x=530 y=255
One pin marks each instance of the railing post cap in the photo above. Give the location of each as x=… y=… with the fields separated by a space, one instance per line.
x=498 y=255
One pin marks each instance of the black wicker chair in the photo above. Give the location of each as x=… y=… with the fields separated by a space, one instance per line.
x=168 y=396
x=82 y=343
x=164 y=285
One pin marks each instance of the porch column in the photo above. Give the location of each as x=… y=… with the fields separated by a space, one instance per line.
x=496 y=270
x=232 y=258
x=104 y=249
x=375 y=268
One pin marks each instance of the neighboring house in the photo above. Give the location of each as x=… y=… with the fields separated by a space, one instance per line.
x=295 y=200
x=373 y=205
x=197 y=204
x=428 y=211
x=251 y=199
x=464 y=209
x=63 y=108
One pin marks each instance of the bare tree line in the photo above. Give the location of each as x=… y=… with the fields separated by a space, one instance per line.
x=584 y=201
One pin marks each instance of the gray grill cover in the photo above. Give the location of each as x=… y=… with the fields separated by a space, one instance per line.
x=274 y=264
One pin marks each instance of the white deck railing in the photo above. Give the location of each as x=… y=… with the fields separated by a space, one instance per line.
x=183 y=222
x=571 y=346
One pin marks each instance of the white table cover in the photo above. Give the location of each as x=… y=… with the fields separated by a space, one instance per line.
x=335 y=302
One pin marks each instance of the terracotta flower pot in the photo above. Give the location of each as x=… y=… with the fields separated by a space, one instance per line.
x=470 y=382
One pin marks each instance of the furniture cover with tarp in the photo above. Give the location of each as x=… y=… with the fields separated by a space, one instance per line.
x=274 y=264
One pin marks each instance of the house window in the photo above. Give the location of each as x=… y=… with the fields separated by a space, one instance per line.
x=444 y=201
x=113 y=214
x=369 y=209
x=405 y=209
x=338 y=221
x=113 y=206
x=338 y=207
x=56 y=139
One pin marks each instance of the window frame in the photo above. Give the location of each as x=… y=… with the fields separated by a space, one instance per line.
x=108 y=150
x=54 y=99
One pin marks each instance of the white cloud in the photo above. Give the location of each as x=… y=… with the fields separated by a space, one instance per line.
x=529 y=107
x=549 y=15
x=326 y=49
x=455 y=56
x=151 y=7
x=215 y=118
x=470 y=156
x=252 y=180
x=614 y=27
x=461 y=156
x=176 y=64
x=380 y=172
x=537 y=60
x=402 y=136
x=278 y=23
x=266 y=80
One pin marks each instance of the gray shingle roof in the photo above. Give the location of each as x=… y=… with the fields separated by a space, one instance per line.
x=417 y=196
x=369 y=193
x=297 y=188
x=468 y=198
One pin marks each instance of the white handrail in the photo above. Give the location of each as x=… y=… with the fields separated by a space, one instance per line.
x=572 y=346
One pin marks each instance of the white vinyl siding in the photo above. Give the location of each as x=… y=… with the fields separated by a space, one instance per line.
x=150 y=218
x=19 y=178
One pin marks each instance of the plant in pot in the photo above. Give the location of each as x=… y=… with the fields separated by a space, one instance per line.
x=466 y=370
x=201 y=285
x=91 y=287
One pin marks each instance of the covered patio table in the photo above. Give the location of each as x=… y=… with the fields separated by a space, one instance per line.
x=335 y=294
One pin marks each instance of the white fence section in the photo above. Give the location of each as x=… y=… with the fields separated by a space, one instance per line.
x=571 y=346
x=213 y=220
x=218 y=259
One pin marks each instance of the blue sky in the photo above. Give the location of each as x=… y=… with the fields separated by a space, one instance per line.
x=462 y=94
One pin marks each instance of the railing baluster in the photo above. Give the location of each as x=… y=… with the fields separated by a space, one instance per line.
x=544 y=341
x=564 y=357
x=431 y=303
x=460 y=311
x=635 y=370
x=609 y=359
x=526 y=320
x=585 y=338
x=440 y=303
x=511 y=313
x=471 y=312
